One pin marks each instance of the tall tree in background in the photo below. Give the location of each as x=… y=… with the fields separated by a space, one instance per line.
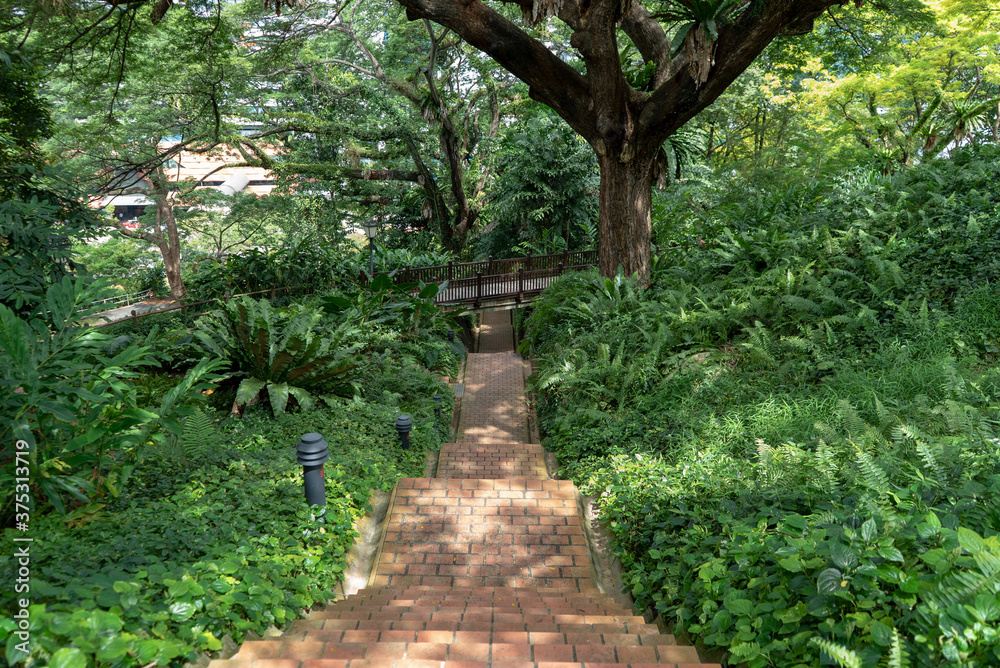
x=693 y=51
x=931 y=90
x=391 y=115
x=127 y=112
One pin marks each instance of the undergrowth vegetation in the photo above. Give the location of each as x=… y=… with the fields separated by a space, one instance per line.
x=167 y=527
x=792 y=433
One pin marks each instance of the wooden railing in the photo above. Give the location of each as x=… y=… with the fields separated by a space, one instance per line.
x=458 y=270
x=492 y=280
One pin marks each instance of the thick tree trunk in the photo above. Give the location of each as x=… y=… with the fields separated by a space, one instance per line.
x=625 y=196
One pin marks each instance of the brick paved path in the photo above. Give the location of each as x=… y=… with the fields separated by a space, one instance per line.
x=483 y=566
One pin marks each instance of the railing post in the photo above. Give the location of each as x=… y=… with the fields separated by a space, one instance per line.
x=520 y=284
x=527 y=262
x=406 y=274
x=489 y=267
x=450 y=263
x=566 y=256
x=479 y=287
x=135 y=318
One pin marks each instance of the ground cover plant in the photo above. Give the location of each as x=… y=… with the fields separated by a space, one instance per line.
x=792 y=433
x=173 y=529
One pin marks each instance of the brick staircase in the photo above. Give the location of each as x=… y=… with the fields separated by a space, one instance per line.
x=485 y=565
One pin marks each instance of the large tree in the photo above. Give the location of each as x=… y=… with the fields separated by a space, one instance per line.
x=688 y=53
x=385 y=113
x=626 y=126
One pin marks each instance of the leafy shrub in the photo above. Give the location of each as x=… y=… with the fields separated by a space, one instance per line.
x=232 y=549
x=61 y=375
x=547 y=178
x=282 y=354
x=977 y=315
x=294 y=269
x=791 y=433
x=40 y=208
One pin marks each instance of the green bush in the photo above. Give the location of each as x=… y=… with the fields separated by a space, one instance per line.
x=60 y=375
x=282 y=354
x=232 y=549
x=792 y=433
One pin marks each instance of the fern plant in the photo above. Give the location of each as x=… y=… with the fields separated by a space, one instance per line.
x=282 y=355
x=199 y=434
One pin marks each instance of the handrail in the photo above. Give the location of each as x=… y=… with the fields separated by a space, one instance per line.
x=494 y=267
x=128 y=298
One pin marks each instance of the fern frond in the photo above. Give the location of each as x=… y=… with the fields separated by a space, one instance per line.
x=843 y=657
x=897 y=657
x=199 y=434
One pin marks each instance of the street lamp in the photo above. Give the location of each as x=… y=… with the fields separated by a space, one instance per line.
x=371 y=231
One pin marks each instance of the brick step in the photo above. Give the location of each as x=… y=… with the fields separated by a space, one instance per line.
x=314 y=622
x=482 y=484
x=492 y=597
x=431 y=604
x=597 y=605
x=498 y=593
x=418 y=663
x=310 y=629
x=467 y=651
x=482 y=615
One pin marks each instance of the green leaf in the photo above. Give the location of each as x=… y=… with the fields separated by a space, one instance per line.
x=278 y=394
x=843 y=556
x=181 y=611
x=881 y=633
x=13 y=654
x=869 y=530
x=791 y=564
x=891 y=553
x=970 y=541
x=381 y=283
x=68 y=657
x=829 y=581
x=248 y=390
x=112 y=649
x=741 y=607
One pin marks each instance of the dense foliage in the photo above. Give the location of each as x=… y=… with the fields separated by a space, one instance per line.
x=188 y=528
x=793 y=433
x=39 y=208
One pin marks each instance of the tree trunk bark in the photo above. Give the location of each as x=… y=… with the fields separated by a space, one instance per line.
x=625 y=196
x=170 y=246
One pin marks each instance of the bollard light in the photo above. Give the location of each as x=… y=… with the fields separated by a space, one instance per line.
x=403 y=426
x=311 y=452
x=451 y=335
x=437 y=405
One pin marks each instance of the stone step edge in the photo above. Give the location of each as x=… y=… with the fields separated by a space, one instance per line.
x=540 y=618
x=417 y=663
x=466 y=651
x=440 y=606
x=418 y=626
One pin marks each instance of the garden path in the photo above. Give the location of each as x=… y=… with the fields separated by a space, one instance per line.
x=484 y=565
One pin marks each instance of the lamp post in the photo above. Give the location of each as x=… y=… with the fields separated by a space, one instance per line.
x=311 y=452
x=403 y=426
x=371 y=231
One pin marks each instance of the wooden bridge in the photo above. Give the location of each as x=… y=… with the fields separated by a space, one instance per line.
x=496 y=284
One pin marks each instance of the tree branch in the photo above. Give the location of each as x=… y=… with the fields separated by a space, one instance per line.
x=550 y=80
